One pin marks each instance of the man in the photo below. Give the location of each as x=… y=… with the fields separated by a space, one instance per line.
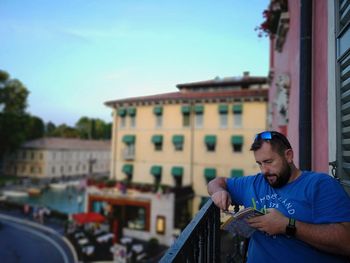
x=308 y=213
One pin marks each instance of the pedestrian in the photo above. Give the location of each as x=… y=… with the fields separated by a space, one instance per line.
x=308 y=213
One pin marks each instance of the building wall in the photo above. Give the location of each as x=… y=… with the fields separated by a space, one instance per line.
x=44 y=163
x=194 y=158
x=286 y=63
x=320 y=157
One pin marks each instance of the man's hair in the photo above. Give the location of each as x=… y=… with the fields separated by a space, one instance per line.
x=279 y=142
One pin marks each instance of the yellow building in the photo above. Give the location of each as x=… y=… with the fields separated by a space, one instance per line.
x=187 y=138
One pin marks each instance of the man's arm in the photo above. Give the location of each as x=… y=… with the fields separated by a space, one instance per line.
x=218 y=191
x=333 y=238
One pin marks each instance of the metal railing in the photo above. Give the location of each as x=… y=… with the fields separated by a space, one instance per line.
x=200 y=240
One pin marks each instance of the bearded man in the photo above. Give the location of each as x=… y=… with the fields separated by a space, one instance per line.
x=308 y=213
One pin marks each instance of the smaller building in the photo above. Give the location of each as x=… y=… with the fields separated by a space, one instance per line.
x=59 y=157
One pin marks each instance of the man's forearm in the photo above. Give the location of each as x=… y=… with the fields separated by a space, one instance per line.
x=333 y=238
x=218 y=184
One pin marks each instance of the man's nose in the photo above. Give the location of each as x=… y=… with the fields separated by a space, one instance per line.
x=265 y=169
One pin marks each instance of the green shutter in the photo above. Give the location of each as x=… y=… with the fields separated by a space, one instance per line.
x=237 y=139
x=129 y=139
x=209 y=173
x=199 y=109
x=186 y=109
x=210 y=139
x=177 y=139
x=122 y=112
x=158 y=110
x=223 y=109
x=127 y=168
x=157 y=138
x=177 y=171
x=156 y=170
x=237 y=173
x=132 y=111
x=237 y=108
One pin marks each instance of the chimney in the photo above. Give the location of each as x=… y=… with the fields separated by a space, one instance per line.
x=246 y=74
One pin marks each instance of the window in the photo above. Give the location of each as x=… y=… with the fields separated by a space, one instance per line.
x=177 y=173
x=210 y=142
x=129 y=149
x=158 y=142
x=186 y=113
x=122 y=115
x=343 y=88
x=237 y=173
x=135 y=217
x=223 y=111
x=237 y=142
x=156 y=171
x=132 y=114
x=237 y=115
x=128 y=171
x=53 y=170
x=160 y=225
x=178 y=141
x=158 y=112
x=209 y=174
x=199 y=110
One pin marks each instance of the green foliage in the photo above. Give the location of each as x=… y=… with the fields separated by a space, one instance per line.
x=35 y=128
x=13 y=103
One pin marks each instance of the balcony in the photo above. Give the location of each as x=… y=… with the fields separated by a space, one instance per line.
x=200 y=240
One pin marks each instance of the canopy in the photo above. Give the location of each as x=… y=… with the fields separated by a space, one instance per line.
x=90 y=217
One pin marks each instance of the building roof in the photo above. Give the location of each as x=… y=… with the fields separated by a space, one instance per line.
x=188 y=96
x=67 y=144
x=245 y=80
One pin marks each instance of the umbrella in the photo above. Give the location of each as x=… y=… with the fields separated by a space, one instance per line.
x=90 y=217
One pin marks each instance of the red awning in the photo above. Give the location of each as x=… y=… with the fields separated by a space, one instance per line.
x=91 y=217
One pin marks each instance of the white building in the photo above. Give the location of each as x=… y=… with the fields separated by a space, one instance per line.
x=57 y=157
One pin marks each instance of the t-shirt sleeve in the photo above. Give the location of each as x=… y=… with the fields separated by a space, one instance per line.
x=237 y=187
x=331 y=204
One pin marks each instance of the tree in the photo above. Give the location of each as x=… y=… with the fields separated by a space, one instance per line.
x=35 y=127
x=83 y=126
x=13 y=103
x=50 y=128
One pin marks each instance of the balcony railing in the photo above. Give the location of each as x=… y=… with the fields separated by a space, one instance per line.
x=200 y=240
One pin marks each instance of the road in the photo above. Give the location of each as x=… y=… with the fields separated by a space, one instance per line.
x=27 y=242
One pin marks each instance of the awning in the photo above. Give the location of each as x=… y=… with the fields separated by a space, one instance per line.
x=237 y=173
x=132 y=111
x=199 y=109
x=223 y=109
x=237 y=108
x=90 y=217
x=129 y=139
x=210 y=139
x=209 y=173
x=158 y=110
x=127 y=168
x=177 y=171
x=186 y=109
x=122 y=112
x=237 y=139
x=178 y=139
x=157 y=138
x=156 y=170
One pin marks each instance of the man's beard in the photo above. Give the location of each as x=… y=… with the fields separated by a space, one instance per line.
x=282 y=178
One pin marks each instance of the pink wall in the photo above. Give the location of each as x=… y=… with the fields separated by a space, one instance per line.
x=287 y=62
x=319 y=88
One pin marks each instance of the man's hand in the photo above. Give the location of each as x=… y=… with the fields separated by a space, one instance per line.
x=273 y=223
x=221 y=199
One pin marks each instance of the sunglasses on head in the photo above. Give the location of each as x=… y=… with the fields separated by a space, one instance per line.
x=269 y=135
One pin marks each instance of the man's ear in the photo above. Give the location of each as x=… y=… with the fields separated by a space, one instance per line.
x=289 y=155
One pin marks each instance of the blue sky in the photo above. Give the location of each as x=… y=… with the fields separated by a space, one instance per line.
x=73 y=55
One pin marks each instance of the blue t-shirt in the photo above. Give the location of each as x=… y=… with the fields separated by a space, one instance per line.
x=313 y=198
